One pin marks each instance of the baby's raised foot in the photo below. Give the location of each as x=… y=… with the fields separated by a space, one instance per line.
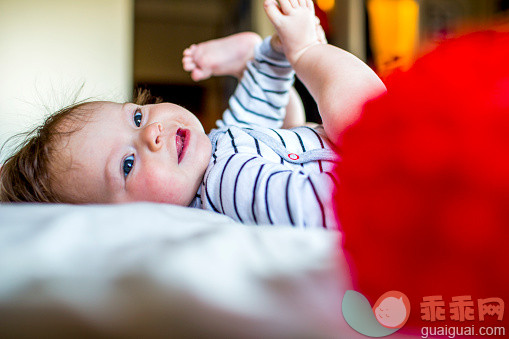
x=295 y=24
x=225 y=56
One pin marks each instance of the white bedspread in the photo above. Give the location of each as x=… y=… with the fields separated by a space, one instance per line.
x=151 y=270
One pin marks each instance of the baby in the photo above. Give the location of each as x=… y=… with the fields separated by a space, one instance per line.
x=248 y=168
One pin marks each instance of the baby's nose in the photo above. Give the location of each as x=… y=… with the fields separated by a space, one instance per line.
x=151 y=135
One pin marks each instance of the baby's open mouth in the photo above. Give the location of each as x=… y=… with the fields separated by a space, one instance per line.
x=181 y=140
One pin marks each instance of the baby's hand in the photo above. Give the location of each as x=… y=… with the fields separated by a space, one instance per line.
x=295 y=23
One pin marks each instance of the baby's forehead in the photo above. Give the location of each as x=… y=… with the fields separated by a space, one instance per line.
x=91 y=112
x=82 y=121
x=101 y=106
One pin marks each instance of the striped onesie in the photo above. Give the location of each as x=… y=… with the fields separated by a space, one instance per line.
x=258 y=172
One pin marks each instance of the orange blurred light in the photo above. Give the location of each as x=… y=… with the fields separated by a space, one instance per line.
x=326 y=5
x=394 y=28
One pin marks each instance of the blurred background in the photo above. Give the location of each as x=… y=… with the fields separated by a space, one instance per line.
x=50 y=49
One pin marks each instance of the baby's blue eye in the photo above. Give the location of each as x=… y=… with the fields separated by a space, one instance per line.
x=137 y=117
x=128 y=164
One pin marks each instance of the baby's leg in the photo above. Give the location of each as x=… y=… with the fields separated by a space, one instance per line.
x=218 y=57
x=229 y=56
x=295 y=114
x=339 y=82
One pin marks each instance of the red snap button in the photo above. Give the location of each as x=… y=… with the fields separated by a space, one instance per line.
x=293 y=156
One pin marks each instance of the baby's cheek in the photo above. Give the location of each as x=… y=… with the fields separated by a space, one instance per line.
x=157 y=188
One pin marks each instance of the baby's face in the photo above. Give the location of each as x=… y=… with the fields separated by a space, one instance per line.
x=137 y=153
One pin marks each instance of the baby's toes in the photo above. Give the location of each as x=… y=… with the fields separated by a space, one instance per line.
x=302 y=3
x=199 y=74
x=288 y=5
x=273 y=12
x=190 y=50
x=188 y=63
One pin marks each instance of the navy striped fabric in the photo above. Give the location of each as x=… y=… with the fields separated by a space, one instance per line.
x=260 y=173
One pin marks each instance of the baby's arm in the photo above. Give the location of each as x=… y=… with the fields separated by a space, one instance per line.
x=339 y=82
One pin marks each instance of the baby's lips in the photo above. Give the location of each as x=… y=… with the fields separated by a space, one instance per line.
x=179 y=144
x=181 y=141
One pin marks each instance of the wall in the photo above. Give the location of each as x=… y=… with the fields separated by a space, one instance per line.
x=349 y=26
x=261 y=23
x=48 y=49
x=163 y=29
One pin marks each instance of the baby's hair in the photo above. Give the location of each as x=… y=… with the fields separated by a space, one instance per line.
x=26 y=176
x=142 y=96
